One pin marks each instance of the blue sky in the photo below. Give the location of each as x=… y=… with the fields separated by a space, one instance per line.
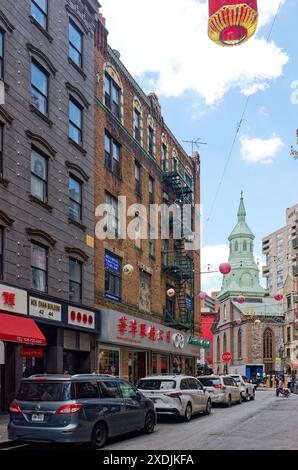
x=202 y=89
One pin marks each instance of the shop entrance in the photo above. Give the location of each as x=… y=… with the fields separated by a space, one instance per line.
x=76 y=362
x=137 y=366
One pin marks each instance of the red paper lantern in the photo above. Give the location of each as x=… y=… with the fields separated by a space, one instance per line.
x=238 y=322
x=225 y=268
x=232 y=22
x=203 y=296
x=278 y=297
x=240 y=299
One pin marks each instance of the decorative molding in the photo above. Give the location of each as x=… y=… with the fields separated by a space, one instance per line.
x=40 y=140
x=76 y=252
x=6 y=21
x=77 y=146
x=8 y=221
x=6 y=116
x=78 y=69
x=77 y=17
x=78 y=169
x=41 y=115
x=41 y=29
x=41 y=55
x=77 y=92
x=32 y=232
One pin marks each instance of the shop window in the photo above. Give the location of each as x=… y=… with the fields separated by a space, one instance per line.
x=39 y=11
x=112 y=277
x=112 y=96
x=110 y=389
x=39 y=175
x=1 y=54
x=39 y=88
x=109 y=362
x=1 y=252
x=75 y=44
x=87 y=390
x=75 y=280
x=75 y=122
x=112 y=155
x=39 y=267
x=75 y=199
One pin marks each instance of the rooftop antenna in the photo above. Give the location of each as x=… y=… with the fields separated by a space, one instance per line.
x=195 y=143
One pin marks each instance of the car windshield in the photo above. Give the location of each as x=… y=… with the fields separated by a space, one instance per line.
x=237 y=380
x=156 y=384
x=45 y=391
x=209 y=382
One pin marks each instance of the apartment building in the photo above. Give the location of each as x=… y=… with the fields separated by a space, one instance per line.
x=47 y=320
x=143 y=329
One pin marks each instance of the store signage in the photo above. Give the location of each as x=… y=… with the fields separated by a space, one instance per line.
x=31 y=352
x=227 y=357
x=198 y=342
x=124 y=329
x=44 y=309
x=13 y=300
x=81 y=318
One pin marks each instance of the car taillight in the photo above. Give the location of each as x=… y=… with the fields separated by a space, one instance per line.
x=14 y=408
x=220 y=387
x=174 y=394
x=68 y=409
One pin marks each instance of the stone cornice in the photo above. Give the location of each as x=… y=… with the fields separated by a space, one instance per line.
x=39 y=53
x=6 y=22
x=78 y=169
x=77 y=92
x=41 y=234
x=40 y=140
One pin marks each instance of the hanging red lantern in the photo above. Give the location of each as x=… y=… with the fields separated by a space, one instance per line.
x=240 y=299
x=238 y=322
x=225 y=268
x=278 y=297
x=203 y=296
x=232 y=22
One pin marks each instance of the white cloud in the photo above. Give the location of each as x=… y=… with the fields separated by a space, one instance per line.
x=260 y=150
x=169 y=39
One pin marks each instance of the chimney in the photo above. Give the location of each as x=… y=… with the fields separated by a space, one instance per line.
x=101 y=34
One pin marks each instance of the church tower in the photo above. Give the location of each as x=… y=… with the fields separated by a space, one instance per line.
x=244 y=277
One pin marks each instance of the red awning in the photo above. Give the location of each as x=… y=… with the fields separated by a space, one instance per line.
x=20 y=330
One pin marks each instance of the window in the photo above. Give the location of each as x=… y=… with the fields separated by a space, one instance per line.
x=164 y=152
x=39 y=267
x=127 y=390
x=39 y=88
x=110 y=389
x=39 y=11
x=137 y=178
x=109 y=362
x=151 y=140
x=1 y=147
x=137 y=125
x=289 y=334
x=239 y=344
x=184 y=385
x=1 y=251
x=86 y=390
x=75 y=199
x=151 y=190
x=75 y=44
x=268 y=344
x=112 y=277
x=75 y=122
x=112 y=214
x=1 y=54
x=236 y=246
x=244 y=246
x=151 y=236
x=112 y=96
x=39 y=176
x=112 y=155
x=289 y=302
x=75 y=280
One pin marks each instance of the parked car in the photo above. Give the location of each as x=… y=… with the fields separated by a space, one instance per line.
x=247 y=389
x=294 y=386
x=78 y=409
x=179 y=395
x=222 y=389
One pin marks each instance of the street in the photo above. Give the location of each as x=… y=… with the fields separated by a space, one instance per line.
x=264 y=424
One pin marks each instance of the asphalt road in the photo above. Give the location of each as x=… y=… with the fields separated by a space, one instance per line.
x=264 y=424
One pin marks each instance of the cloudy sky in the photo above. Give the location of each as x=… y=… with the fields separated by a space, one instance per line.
x=203 y=88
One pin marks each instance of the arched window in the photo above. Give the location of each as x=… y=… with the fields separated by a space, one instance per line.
x=218 y=350
x=138 y=120
x=245 y=245
x=225 y=343
x=236 y=246
x=239 y=342
x=113 y=91
x=268 y=351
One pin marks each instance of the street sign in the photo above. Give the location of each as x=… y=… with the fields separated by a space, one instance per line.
x=227 y=357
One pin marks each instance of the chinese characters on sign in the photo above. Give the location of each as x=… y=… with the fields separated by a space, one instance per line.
x=13 y=300
x=135 y=328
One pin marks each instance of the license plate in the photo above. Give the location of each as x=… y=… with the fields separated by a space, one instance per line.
x=38 y=418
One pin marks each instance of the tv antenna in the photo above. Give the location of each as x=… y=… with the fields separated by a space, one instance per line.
x=195 y=143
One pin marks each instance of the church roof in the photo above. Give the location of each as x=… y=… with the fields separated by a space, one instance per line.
x=268 y=307
x=241 y=229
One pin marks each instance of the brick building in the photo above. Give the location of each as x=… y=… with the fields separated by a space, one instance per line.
x=46 y=189
x=137 y=155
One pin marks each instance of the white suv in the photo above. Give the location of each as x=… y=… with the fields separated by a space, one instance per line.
x=222 y=389
x=179 y=395
x=247 y=388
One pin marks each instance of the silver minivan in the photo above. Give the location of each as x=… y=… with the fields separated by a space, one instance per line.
x=222 y=389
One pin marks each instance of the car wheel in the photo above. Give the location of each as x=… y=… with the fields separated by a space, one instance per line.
x=244 y=397
x=240 y=399
x=208 y=408
x=188 y=412
x=99 y=436
x=253 y=396
x=149 y=424
x=229 y=401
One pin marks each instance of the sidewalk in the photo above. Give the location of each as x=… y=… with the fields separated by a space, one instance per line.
x=3 y=427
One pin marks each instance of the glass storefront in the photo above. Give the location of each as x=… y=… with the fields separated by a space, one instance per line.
x=109 y=360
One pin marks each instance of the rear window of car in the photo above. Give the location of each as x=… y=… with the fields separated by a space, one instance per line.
x=156 y=384
x=207 y=382
x=46 y=391
x=229 y=381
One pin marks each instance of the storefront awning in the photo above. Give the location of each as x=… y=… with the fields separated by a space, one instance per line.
x=20 y=330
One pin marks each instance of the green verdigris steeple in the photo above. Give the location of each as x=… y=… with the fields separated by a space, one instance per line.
x=244 y=277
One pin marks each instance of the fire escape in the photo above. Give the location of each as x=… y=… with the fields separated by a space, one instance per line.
x=176 y=262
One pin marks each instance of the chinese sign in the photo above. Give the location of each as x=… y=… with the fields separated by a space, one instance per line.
x=44 y=309
x=81 y=318
x=31 y=352
x=13 y=300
